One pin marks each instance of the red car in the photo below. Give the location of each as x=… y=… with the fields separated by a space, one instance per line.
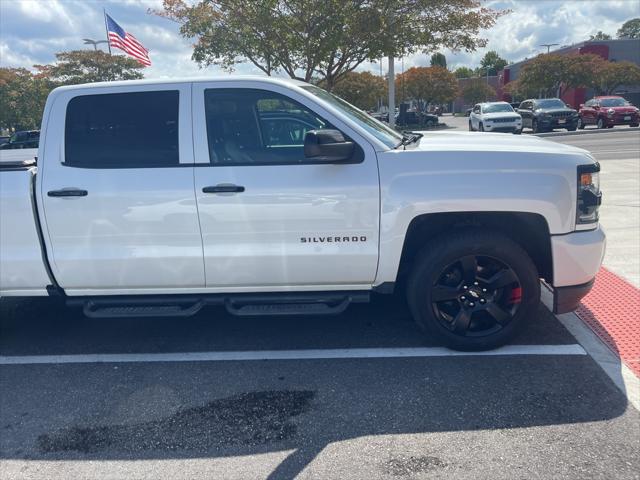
x=605 y=112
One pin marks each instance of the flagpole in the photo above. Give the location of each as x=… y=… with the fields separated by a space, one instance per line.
x=106 y=27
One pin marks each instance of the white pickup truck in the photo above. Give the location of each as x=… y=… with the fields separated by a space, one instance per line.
x=271 y=196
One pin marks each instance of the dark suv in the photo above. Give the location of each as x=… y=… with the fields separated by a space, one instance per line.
x=24 y=139
x=545 y=114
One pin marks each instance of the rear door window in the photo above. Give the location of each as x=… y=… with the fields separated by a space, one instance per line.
x=123 y=130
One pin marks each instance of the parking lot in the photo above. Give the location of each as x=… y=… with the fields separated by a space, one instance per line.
x=361 y=395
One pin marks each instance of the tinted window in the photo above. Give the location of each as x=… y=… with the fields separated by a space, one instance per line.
x=497 y=107
x=614 y=102
x=247 y=127
x=550 y=103
x=123 y=130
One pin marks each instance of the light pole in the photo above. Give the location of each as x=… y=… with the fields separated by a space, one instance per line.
x=549 y=45
x=88 y=41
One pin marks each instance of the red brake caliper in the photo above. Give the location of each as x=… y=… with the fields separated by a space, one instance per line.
x=516 y=295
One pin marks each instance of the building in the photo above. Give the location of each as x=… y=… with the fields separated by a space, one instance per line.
x=612 y=50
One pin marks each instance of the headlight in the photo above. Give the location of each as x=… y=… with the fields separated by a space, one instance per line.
x=611 y=111
x=589 y=195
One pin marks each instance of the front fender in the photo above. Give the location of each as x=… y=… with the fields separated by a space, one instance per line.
x=417 y=183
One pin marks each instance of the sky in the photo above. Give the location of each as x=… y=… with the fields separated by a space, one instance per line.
x=31 y=31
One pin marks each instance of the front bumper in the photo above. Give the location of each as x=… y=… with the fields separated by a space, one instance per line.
x=620 y=119
x=577 y=257
x=552 y=123
x=503 y=127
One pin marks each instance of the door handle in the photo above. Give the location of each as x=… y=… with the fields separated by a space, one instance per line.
x=68 y=192
x=223 y=189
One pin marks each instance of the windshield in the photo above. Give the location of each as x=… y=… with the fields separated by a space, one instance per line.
x=614 y=102
x=550 y=103
x=497 y=107
x=382 y=132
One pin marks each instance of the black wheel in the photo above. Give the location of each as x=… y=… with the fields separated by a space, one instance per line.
x=600 y=123
x=634 y=124
x=534 y=127
x=517 y=132
x=430 y=124
x=470 y=126
x=572 y=129
x=473 y=290
x=580 y=123
x=481 y=127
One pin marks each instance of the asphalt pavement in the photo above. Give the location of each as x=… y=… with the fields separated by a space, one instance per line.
x=542 y=410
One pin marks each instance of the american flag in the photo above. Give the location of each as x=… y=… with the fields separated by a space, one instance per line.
x=118 y=38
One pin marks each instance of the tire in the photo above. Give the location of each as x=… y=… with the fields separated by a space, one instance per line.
x=470 y=126
x=600 y=123
x=634 y=124
x=534 y=127
x=572 y=129
x=580 y=123
x=442 y=255
x=481 y=127
x=517 y=132
x=430 y=124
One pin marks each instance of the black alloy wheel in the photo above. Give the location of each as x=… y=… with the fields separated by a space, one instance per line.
x=476 y=296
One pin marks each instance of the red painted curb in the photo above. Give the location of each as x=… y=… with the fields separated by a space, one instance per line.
x=612 y=311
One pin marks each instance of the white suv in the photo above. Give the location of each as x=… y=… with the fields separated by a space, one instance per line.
x=495 y=117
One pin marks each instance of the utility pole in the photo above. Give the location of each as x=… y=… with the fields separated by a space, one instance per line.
x=88 y=41
x=549 y=45
x=392 y=92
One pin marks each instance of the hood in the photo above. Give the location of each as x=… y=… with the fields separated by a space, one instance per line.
x=555 y=110
x=622 y=109
x=491 y=115
x=459 y=140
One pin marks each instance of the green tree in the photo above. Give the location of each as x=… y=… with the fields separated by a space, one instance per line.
x=492 y=62
x=612 y=75
x=464 y=72
x=552 y=74
x=362 y=89
x=324 y=38
x=600 y=35
x=630 y=29
x=478 y=91
x=428 y=85
x=438 y=60
x=87 y=66
x=22 y=98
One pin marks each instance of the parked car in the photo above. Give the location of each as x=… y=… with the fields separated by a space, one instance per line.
x=495 y=117
x=4 y=139
x=543 y=115
x=135 y=213
x=413 y=117
x=606 y=112
x=23 y=139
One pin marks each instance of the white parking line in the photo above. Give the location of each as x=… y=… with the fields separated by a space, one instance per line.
x=323 y=354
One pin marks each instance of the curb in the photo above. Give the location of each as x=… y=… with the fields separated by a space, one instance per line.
x=586 y=132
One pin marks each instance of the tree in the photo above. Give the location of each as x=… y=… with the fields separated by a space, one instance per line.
x=87 y=66
x=324 y=38
x=518 y=91
x=600 y=36
x=362 y=89
x=492 y=62
x=428 y=85
x=438 y=60
x=614 y=74
x=478 y=91
x=463 y=72
x=552 y=74
x=630 y=29
x=22 y=98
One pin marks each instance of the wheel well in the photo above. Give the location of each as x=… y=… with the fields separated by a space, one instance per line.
x=529 y=230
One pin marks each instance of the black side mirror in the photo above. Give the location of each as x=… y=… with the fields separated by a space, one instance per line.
x=327 y=146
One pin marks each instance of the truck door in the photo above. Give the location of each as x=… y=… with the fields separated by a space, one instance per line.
x=271 y=219
x=117 y=190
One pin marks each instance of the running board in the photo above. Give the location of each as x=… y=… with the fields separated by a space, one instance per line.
x=272 y=304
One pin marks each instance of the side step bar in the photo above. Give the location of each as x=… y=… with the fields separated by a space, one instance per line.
x=304 y=303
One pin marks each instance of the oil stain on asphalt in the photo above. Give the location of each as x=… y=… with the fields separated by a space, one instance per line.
x=254 y=418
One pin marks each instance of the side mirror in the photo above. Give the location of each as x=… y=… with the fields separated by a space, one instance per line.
x=327 y=146
x=596 y=107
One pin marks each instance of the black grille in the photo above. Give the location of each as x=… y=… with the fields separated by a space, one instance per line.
x=502 y=120
x=561 y=114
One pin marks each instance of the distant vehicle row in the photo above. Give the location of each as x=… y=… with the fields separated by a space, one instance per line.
x=24 y=139
x=544 y=115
